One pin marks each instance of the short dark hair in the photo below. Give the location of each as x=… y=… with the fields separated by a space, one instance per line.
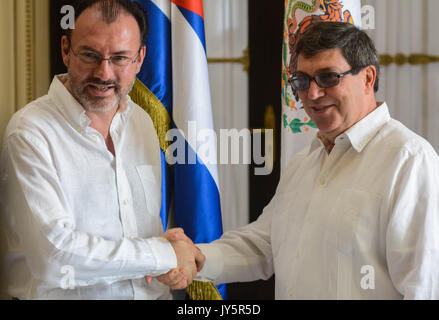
x=110 y=10
x=357 y=47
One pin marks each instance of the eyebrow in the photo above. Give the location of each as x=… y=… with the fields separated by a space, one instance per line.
x=326 y=70
x=123 y=52
x=318 y=71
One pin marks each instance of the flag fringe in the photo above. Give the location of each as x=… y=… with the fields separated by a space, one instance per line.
x=201 y=290
x=141 y=95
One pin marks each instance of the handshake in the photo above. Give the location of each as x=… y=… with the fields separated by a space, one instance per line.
x=190 y=261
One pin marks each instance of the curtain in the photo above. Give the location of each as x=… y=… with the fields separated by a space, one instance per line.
x=24 y=65
x=226 y=24
x=432 y=87
x=7 y=62
x=404 y=28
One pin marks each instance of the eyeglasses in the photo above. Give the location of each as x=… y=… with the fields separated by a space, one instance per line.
x=95 y=60
x=302 y=82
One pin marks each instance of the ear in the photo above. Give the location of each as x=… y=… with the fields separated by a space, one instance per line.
x=370 y=78
x=141 y=58
x=65 y=48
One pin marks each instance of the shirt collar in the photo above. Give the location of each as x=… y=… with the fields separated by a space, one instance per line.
x=315 y=144
x=364 y=130
x=66 y=103
x=361 y=133
x=71 y=108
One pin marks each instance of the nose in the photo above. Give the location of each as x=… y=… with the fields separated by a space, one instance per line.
x=314 y=91
x=104 y=71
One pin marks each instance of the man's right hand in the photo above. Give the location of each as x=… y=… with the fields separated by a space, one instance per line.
x=186 y=261
x=178 y=234
x=190 y=260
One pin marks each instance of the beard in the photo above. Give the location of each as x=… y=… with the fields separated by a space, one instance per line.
x=96 y=103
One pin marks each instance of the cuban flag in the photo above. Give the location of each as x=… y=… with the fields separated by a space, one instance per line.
x=173 y=87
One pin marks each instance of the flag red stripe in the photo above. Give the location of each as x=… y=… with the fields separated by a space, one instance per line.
x=195 y=6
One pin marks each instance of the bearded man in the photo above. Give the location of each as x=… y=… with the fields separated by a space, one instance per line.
x=80 y=173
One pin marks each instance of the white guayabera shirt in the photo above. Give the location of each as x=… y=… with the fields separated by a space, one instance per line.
x=359 y=223
x=82 y=224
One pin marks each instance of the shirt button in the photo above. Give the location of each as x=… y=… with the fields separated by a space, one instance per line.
x=291 y=293
x=125 y=202
x=322 y=181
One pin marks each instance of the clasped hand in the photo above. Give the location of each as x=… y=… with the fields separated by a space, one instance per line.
x=190 y=261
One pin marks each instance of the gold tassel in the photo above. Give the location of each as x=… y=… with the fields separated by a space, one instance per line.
x=141 y=95
x=201 y=290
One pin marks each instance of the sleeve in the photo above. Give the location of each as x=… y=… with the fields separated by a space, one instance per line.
x=241 y=255
x=246 y=254
x=412 y=239
x=41 y=219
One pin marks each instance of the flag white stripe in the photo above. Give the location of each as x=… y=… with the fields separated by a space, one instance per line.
x=191 y=102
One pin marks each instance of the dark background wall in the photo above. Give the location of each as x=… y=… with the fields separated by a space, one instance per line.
x=56 y=64
x=265 y=42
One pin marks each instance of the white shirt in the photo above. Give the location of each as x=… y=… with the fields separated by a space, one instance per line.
x=75 y=212
x=359 y=223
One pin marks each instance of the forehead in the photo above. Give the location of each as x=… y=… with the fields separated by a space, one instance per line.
x=91 y=30
x=331 y=59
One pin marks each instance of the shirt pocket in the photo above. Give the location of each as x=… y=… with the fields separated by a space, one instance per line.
x=358 y=222
x=150 y=177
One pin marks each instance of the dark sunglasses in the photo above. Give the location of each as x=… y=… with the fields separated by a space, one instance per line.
x=301 y=82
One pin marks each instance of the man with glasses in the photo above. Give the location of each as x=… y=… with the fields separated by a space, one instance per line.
x=356 y=214
x=81 y=174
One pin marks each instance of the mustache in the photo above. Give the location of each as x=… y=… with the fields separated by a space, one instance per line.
x=101 y=82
